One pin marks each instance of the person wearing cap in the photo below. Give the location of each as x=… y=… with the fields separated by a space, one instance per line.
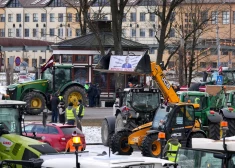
x=71 y=115
x=172 y=145
x=69 y=145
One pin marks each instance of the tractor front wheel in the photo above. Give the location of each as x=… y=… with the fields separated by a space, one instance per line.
x=231 y=126
x=150 y=146
x=119 y=143
x=105 y=134
x=214 y=131
x=35 y=103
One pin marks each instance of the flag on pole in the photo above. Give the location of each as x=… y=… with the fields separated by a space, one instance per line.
x=48 y=64
x=208 y=69
x=220 y=69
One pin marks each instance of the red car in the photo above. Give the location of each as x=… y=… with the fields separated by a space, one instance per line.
x=54 y=134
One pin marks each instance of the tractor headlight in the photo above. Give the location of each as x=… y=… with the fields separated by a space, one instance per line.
x=228 y=104
x=11 y=89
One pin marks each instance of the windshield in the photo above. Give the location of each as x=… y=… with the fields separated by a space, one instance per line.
x=160 y=117
x=231 y=163
x=188 y=158
x=145 y=101
x=47 y=74
x=201 y=100
x=9 y=119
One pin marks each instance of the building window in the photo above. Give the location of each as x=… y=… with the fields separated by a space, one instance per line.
x=52 y=17
x=69 y=32
x=202 y=64
x=225 y=17
x=224 y=52
x=204 y=17
x=34 y=32
x=172 y=32
x=96 y=59
x=18 y=17
x=81 y=58
x=14 y=4
x=26 y=17
x=77 y=17
x=133 y=17
x=151 y=51
x=81 y=75
x=10 y=18
x=60 y=17
x=124 y=17
x=224 y=64
x=214 y=17
x=43 y=32
x=233 y=17
x=34 y=62
x=66 y=58
x=2 y=18
x=2 y=32
x=152 y=17
x=133 y=32
x=18 y=32
x=52 y=32
x=142 y=16
x=151 y=33
x=26 y=32
x=142 y=32
x=69 y=17
x=35 y=17
x=78 y=32
x=43 y=17
x=214 y=64
x=60 y=32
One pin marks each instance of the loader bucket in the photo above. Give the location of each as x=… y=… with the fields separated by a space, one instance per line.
x=143 y=65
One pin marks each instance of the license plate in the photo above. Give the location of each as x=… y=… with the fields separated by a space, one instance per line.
x=142 y=166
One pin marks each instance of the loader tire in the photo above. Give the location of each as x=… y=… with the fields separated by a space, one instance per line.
x=105 y=134
x=119 y=123
x=214 y=131
x=194 y=135
x=73 y=94
x=231 y=127
x=35 y=103
x=150 y=146
x=119 y=143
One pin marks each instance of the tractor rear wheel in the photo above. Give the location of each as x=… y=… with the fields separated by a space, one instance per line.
x=35 y=103
x=214 y=131
x=105 y=134
x=150 y=146
x=119 y=143
x=231 y=126
x=194 y=135
x=73 y=94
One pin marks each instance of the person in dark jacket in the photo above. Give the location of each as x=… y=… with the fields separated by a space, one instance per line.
x=91 y=95
x=54 y=108
x=98 y=93
x=61 y=109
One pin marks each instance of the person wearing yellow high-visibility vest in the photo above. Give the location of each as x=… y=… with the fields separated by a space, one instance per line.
x=71 y=115
x=172 y=145
x=80 y=111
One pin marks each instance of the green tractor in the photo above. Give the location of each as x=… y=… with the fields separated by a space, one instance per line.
x=14 y=146
x=54 y=80
x=213 y=109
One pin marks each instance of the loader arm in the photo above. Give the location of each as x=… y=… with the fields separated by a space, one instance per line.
x=167 y=90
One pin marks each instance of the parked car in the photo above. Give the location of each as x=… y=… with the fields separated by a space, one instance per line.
x=54 y=134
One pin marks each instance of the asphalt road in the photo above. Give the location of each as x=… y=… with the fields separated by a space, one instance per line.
x=90 y=114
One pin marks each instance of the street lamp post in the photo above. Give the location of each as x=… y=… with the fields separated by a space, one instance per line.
x=76 y=144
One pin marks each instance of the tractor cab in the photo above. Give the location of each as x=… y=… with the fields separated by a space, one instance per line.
x=177 y=118
x=62 y=75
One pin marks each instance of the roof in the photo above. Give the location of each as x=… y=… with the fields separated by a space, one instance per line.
x=11 y=42
x=90 y=42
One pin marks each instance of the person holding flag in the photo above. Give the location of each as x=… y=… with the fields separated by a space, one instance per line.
x=220 y=69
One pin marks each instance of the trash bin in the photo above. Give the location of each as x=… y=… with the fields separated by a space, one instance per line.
x=102 y=103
